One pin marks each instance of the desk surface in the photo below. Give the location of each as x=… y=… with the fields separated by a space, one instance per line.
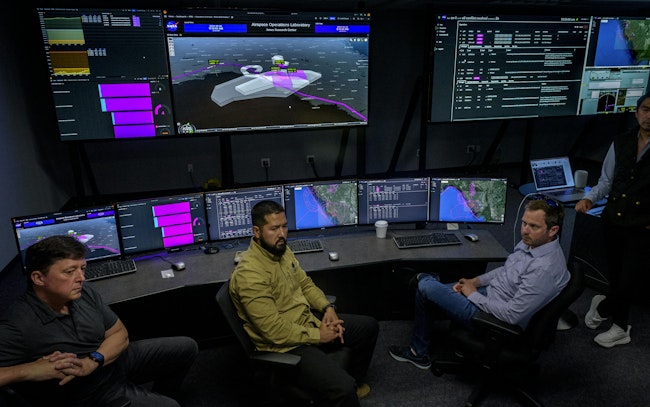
x=361 y=247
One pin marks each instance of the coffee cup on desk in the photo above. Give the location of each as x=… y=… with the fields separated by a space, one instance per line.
x=580 y=178
x=381 y=227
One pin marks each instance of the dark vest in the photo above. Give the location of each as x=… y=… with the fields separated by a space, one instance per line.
x=629 y=199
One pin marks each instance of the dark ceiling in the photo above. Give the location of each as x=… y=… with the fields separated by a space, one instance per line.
x=589 y=7
x=603 y=7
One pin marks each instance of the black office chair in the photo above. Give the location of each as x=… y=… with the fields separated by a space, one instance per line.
x=503 y=355
x=272 y=371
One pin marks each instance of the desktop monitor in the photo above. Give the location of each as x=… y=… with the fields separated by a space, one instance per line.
x=468 y=200
x=241 y=70
x=162 y=223
x=394 y=200
x=323 y=204
x=229 y=212
x=96 y=227
x=108 y=72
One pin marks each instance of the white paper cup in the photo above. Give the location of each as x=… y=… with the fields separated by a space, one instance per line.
x=580 y=178
x=381 y=227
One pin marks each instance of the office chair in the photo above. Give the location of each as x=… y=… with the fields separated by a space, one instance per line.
x=503 y=355
x=273 y=369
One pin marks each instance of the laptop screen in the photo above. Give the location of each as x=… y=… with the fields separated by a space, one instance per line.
x=95 y=227
x=552 y=173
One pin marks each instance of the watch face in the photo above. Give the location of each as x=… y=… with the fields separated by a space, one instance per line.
x=97 y=357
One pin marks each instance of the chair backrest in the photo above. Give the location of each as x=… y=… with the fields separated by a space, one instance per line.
x=230 y=313
x=543 y=326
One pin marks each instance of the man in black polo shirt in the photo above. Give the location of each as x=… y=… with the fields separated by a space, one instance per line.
x=60 y=313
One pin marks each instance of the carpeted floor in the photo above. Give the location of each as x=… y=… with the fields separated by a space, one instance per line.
x=574 y=372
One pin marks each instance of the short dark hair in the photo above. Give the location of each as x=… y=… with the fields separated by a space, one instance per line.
x=553 y=211
x=42 y=254
x=641 y=100
x=263 y=208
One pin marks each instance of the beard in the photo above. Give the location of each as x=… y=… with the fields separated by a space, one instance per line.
x=276 y=251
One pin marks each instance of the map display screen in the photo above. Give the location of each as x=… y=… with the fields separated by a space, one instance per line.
x=468 y=200
x=321 y=204
x=235 y=70
x=618 y=65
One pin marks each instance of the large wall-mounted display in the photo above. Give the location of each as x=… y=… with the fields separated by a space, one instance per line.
x=241 y=70
x=506 y=66
x=108 y=72
x=130 y=73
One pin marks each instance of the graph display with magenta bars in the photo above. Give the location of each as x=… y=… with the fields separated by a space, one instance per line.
x=162 y=223
x=108 y=72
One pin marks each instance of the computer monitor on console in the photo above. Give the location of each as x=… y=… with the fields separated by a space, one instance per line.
x=229 y=212
x=394 y=200
x=324 y=204
x=161 y=223
x=96 y=227
x=468 y=200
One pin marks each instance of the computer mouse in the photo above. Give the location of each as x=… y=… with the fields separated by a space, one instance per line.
x=178 y=266
x=334 y=256
x=211 y=250
x=472 y=237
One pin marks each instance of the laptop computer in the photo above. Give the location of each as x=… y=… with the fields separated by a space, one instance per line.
x=553 y=177
x=95 y=227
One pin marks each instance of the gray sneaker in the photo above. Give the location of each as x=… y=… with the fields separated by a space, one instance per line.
x=404 y=354
x=592 y=317
x=615 y=336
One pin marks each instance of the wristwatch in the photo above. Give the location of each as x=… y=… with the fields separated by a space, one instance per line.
x=97 y=357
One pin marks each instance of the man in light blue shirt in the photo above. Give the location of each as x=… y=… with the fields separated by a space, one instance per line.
x=530 y=278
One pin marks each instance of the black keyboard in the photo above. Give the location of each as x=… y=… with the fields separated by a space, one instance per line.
x=431 y=239
x=305 y=245
x=96 y=271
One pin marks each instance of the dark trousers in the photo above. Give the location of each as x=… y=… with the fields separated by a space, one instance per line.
x=322 y=376
x=628 y=270
x=161 y=361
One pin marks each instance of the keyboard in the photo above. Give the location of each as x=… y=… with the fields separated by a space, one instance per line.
x=431 y=239
x=305 y=245
x=97 y=271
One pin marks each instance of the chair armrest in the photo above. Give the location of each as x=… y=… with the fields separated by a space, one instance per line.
x=494 y=325
x=286 y=359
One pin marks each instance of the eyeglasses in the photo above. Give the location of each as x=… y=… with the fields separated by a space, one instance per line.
x=549 y=201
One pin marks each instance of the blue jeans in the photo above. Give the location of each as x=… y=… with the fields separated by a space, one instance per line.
x=435 y=300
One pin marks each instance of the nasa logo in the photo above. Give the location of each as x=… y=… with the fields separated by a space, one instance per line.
x=172 y=26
